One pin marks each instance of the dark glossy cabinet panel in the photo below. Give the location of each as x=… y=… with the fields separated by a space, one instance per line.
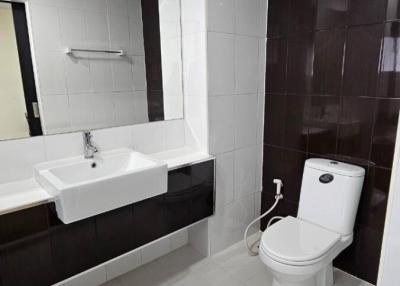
x=331 y=14
x=389 y=78
x=302 y=15
x=366 y=11
x=74 y=247
x=37 y=249
x=328 y=62
x=278 y=18
x=149 y=220
x=115 y=233
x=362 y=60
x=275 y=81
x=300 y=63
x=27 y=262
x=29 y=222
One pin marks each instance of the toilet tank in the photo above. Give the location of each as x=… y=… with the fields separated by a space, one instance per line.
x=330 y=193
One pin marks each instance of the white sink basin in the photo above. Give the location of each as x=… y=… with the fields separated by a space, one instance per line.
x=86 y=187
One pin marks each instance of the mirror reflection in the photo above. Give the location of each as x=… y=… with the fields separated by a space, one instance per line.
x=78 y=65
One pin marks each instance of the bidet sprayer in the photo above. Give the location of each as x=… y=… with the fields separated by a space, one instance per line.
x=279 y=185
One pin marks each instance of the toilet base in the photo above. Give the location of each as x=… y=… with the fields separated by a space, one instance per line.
x=323 y=278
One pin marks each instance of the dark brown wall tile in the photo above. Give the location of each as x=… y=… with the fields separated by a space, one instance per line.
x=389 y=77
x=274 y=127
x=328 y=62
x=275 y=169
x=275 y=77
x=331 y=14
x=366 y=11
x=293 y=174
x=385 y=128
x=322 y=122
x=373 y=202
x=362 y=60
x=393 y=10
x=278 y=18
x=296 y=126
x=300 y=63
x=355 y=127
x=302 y=15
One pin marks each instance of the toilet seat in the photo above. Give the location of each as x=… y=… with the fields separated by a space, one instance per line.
x=295 y=242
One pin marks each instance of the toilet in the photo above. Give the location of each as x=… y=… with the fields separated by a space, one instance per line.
x=299 y=251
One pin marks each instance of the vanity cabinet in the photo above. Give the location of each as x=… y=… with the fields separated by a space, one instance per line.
x=36 y=248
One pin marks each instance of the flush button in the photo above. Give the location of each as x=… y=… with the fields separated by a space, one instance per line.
x=334 y=163
x=326 y=178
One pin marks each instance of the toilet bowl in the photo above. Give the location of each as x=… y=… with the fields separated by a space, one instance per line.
x=299 y=253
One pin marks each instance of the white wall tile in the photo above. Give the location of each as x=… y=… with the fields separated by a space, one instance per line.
x=97 y=33
x=141 y=107
x=81 y=112
x=50 y=66
x=139 y=73
x=245 y=120
x=246 y=64
x=46 y=27
x=118 y=6
x=122 y=74
x=55 y=113
x=221 y=63
x=125 y=108
x=196 y=119
x=149 y=138
x=221 y=16
x=194 y=51
x=63 y=146
x=228 y=224
x=18 y=158
x=222 y=130
x=248 y=17
x=259 y=167
x=174 y=134
x=179 y=239
x=93 y=277
x=73 y=30
x=123 y=264
x=77 y=71
x=245 y=171
x=96 y=5
x=136 y=46
x=135 y=9
x=101 y=73
x=113 y=138
x=262 y=59
x=193 y=16
x=119 y=32
x=155 y=250
x=225 y=178
x=103 y=110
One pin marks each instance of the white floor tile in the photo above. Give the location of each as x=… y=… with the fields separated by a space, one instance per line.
x=232 y=267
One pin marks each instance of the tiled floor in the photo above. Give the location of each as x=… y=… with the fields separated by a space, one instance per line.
x=233 y=267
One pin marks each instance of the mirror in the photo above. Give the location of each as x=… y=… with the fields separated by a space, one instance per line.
x=79 y=65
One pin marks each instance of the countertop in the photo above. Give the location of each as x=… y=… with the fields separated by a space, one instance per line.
x=24 y=194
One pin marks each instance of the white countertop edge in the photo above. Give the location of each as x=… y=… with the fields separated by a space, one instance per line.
x=23 y=194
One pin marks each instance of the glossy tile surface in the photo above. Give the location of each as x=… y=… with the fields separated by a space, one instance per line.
x=233 y=266
x=336 y=99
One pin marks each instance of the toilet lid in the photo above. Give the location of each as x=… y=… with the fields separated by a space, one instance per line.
x=292 y=239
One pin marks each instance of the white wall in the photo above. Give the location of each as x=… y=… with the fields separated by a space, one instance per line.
x=389 y=265
x=13 y=123
x=90 y=90
x=236 y=72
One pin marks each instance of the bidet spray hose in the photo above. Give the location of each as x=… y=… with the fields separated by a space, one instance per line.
x=278 y=197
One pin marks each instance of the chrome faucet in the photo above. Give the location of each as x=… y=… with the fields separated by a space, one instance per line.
x=89 y=149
